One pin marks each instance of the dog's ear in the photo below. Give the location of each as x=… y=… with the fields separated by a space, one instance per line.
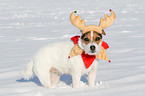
x=103 y=32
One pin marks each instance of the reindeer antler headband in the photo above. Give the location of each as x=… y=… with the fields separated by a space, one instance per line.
x=75 y=20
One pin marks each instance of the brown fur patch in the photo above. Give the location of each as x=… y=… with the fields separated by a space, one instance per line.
x=87 y=38
x=96 y=37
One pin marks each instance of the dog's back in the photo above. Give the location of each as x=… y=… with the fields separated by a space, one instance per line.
x=52 y=55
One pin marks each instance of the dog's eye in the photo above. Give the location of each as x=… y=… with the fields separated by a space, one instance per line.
x=86 y=39
x=98 y=38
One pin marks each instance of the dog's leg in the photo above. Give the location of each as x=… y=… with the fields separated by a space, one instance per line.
x=76 y=80
x=55 y=76
x=45 y=80
x=92 y=77
x=44 y=77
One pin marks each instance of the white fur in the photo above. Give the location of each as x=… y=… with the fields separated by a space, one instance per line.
x=92 y=36
x=55 y=56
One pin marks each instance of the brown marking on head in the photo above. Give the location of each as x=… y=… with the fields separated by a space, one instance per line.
x=97 y=37
x=87 y=38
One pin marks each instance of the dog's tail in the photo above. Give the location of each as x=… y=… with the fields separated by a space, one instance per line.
x=28 y=72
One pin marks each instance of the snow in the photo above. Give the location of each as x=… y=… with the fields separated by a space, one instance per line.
x=27 y=25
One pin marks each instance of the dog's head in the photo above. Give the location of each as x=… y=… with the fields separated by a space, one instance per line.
x=91 y=38
x=91 y=42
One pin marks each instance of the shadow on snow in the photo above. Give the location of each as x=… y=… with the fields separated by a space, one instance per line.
x=67 y=79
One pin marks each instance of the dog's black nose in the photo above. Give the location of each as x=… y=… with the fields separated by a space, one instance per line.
x=92 y=47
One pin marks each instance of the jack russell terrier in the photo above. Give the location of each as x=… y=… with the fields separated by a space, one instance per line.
x=66 y=58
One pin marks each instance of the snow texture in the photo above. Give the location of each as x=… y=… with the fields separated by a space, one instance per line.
x=27 y=25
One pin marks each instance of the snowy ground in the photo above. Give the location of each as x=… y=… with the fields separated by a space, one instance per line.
x=27 y=25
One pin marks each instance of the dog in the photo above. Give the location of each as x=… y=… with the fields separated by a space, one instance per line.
x=52 y=60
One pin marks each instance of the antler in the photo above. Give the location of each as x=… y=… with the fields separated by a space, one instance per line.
x=108 y=20
x=75 y=20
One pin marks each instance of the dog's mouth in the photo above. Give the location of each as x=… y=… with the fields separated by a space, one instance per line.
x=92 y=52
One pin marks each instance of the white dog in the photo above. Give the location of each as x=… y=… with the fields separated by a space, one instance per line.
x=52 y=60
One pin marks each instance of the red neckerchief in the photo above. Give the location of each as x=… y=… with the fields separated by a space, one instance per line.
x=88 y=59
